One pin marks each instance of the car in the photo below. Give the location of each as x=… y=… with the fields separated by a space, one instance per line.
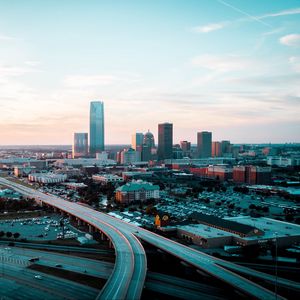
x=58 y=266
x=38 y=277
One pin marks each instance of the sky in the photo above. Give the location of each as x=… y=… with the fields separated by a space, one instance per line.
x=231 y=67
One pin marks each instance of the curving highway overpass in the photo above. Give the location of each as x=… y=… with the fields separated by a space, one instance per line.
x=128 y=276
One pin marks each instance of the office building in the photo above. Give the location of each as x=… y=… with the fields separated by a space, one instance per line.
x=80 y=145
x=165 y=141
x=129 y=156
x=96 y=127
x=252 y=174
x=225 y=147
x=216 y=150
x=204 y=144
x=149 y=140
x=185 y=146
x=137 y=141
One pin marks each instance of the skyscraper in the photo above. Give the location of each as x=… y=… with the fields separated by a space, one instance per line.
x=165 y=141
x=149 y=140
x=96 y=127
x=216 y=149
x=80 y=145
x=137 y=141
x=204 y=144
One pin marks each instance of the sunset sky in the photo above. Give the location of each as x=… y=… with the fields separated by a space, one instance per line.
x=231 y=67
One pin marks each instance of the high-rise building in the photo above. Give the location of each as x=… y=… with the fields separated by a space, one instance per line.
x=204 y=144
x=165 y=141
x=225 y=147
x=80 y=145
x=149 y=140
x=216 y=149
x=96 y=127
x=137 y=141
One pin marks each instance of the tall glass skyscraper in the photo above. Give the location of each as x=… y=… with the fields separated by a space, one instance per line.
x=96 y=127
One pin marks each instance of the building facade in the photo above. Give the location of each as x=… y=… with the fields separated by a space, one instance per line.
x=137 y=141
x=216 y=150
x=137 y=191
x=80 y=145
x=96 y=127
x=252 y=175
x=204 y=144
x=165 y=141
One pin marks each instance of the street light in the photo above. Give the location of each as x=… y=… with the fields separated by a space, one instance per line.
x=276 y=264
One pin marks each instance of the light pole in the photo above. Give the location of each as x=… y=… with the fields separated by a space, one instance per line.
x=276 y=264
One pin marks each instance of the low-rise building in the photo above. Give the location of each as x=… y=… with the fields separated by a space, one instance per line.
x=106 y=178
x=221 y=172
x=137 y=191
x=212 y=232
x=20 y=171
x=252 y=174
x=47 y=177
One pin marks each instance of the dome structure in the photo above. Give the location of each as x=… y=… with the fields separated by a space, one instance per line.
x=149 y=140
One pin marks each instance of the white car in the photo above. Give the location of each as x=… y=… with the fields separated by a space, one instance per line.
x=38 y=277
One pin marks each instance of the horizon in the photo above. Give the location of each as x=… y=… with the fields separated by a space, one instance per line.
x=230 y=67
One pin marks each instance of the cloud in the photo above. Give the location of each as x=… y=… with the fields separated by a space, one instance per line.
x=89 y=80
x=220 y=25
x=287 y=12
x=290 y=40
x=295 y=63
x=209 y=27
x=220 y=63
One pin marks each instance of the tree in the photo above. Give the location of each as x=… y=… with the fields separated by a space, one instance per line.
x=8 y=234
x=252 y=206
x=16 y=235
x=2 y=233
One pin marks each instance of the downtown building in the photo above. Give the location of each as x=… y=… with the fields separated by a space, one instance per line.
x=96 y=127
x=204 y=144
x=137 y=140
x=165 y=141
x=80 y=145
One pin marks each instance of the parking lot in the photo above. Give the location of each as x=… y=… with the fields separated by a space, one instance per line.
x=43 y=228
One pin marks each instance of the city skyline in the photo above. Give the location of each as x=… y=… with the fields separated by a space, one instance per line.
x=228 y=67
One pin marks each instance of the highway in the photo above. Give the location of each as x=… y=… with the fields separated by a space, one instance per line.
x=59 y=247
x=129 y=273
x=48 y=287
x=157 y=282
x=128 y=276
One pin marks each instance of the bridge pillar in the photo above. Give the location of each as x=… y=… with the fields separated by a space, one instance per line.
x=102 y=236
x=91 y=229
x=79 y=222
x=110 y=244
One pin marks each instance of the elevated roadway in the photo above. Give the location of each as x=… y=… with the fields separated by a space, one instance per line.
x=127 y=279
